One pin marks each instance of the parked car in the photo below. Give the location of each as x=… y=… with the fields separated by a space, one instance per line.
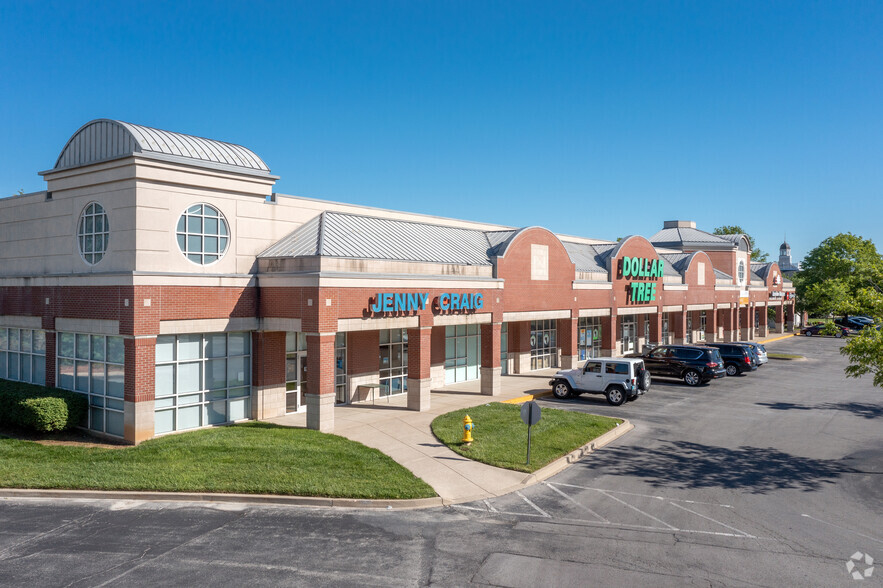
x=738 y=358
x=691 y=363
x=759 y=350
x=815 y=330
x=618 y=378
x=853 y=322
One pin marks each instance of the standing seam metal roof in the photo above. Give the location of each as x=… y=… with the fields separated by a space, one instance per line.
x=104 y=139
x=366 y=237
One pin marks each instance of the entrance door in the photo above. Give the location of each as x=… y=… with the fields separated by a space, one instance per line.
x=295 y=381
x=629 y=334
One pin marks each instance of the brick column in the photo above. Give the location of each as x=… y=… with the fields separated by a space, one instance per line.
x=490 y=358
x=519 y=333
x=268 y=374
x=745 y=322
x=419 y=378
x=678 y=326
x=655 y=327
x=789 y=316
x=609 y=336
x=711 y=326
x=320 y=382
x=139 y=389
x=50 y=359
x=567 y=342
x=763 y=330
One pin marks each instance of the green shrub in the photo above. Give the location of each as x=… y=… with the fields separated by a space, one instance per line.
x=830 y=329
x=40 y=408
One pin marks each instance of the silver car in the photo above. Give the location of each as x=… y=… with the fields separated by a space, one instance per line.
x=759 y=350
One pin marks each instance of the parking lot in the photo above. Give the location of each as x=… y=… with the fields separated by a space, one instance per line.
x=769 y=479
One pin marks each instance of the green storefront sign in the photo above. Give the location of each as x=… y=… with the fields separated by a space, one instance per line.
x=641 y=268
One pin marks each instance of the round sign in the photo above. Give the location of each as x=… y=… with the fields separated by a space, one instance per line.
x=530 y=413
x=546 y=339
x=533 y=340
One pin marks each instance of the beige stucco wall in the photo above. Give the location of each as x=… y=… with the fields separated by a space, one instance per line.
x=38 y=236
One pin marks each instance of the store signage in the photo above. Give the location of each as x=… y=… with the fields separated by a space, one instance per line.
x=393 y=302
x=783 y=295
x=638 y=268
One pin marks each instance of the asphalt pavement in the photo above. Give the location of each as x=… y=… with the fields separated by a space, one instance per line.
x=769 y=479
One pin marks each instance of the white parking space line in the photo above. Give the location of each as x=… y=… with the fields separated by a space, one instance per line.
x=842 y=528
x=624 y=503
x=712 y=520
x=490 y=506
x=582 y=506
x=537 y=508
x=657 y=497
x=499 y=512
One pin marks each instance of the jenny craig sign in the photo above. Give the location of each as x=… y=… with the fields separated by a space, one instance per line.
x=638 y=268
x=392 y=302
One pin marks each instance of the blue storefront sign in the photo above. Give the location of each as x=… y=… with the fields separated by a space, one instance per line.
x=392 y=302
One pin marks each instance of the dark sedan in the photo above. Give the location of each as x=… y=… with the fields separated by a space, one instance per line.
x=816 y=330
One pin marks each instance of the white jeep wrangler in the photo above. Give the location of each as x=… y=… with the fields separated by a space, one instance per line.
x=618 y=378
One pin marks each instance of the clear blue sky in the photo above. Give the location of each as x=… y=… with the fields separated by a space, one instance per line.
x=599 y=119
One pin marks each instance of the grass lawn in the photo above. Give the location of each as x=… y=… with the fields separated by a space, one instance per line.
x=500 y=437
x=251 y=458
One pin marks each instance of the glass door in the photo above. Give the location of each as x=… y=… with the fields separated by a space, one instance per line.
x=629 y=334
x=295 y=371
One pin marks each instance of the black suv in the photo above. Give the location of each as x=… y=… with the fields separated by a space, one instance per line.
x=691 y=363
x=738 y=358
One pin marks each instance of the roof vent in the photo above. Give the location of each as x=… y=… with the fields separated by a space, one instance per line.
x=679 y=224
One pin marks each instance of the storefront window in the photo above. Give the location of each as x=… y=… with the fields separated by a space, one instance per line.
x=703 y=319
x=666 y=333
x=393 y=362
x=589 y=337
x=688 y=336
x=94 y=366
x=504 y=349
x=201 y=380
x=462 y=353
x=23 y=355
x=543 y=345
x=340 y=368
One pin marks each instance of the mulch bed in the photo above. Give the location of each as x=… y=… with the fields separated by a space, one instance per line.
x=74 y=437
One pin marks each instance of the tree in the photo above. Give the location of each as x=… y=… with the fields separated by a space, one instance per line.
x=865 y=354
x=843 y=275
x=758 y=255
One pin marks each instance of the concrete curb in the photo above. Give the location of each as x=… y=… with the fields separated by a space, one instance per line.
x=557 y=466
x=548 y=471
x=574 y=456
x=269 y=499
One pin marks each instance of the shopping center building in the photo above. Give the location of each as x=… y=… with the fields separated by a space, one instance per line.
x=161 y=276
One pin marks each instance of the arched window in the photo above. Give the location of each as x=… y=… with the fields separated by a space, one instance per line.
x=741 y=272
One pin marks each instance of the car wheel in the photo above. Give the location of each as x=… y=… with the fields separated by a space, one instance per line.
x=733 y=370
x=615 y=395
x=808 y=333
x=561 y=389
x=644 y=380
x=692 y=378
x=839 y=334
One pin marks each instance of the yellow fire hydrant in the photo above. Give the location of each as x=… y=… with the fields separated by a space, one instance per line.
x=467 y=429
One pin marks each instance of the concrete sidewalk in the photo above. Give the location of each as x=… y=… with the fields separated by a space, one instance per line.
x=406 y=437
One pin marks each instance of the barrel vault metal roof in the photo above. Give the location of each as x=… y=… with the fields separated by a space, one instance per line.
x=104 y=139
